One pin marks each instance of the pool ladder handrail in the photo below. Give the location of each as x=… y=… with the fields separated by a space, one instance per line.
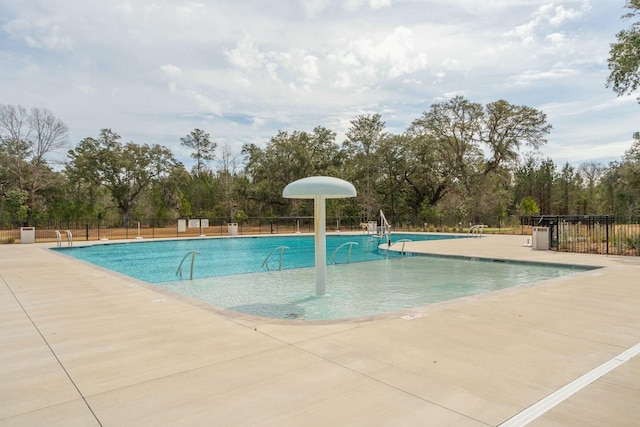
x=333 y=255
x=403 y=241
x=477 y=230
x=265 y=263
x=193 y=256
x=59 y=238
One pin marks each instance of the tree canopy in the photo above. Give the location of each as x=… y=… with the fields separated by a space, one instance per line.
x=624 y=54
x=125 y=170
x=457 y=162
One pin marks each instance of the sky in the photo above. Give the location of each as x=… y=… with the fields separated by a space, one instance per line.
x=154 y=70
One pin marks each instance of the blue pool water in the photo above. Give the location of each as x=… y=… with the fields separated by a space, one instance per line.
x=157 y=261
x=229 y=274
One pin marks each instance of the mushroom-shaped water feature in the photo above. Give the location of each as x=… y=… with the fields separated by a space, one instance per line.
x=320 y=188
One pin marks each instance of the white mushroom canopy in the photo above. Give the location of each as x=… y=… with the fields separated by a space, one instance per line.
x=314 y=186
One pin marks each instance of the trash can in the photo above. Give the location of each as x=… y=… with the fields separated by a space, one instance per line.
x=540 y=238
x=232 y=229
x=27 y=235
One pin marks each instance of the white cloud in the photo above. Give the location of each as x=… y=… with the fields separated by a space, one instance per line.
x=545 y=18
x=379 y=4
x=246 y=56
x=170 y=70
x=556 y=38
x=369 y=60
x=42 y=33
x=532 y=77
x=353 y=5
x=204 y=102
x=314 y=7
x=86 y=89
x=309 y=69
x=561 y=14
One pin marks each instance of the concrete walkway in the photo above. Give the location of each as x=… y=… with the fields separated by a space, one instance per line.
x=80 y=346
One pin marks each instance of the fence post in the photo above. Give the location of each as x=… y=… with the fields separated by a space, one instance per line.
x=86 y=233
x=607 y=228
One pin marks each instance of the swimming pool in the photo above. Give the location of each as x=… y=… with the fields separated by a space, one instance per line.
x=228 y=273
x=158 y=261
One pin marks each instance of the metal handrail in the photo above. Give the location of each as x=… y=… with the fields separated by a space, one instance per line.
x=265 y=263
x=403 y=241
x=477 y=229
x=193 y=256
x=333 y=255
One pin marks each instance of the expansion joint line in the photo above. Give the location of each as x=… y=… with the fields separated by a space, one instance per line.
x=15 y=297
x=536 y=410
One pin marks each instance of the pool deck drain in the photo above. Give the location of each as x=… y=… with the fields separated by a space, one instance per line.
x=78 y=347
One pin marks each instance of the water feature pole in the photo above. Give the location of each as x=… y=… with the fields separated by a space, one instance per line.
x=319 y=213
x=320 y=188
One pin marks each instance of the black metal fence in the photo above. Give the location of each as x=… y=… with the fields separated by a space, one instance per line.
x=112 y=229
x=598 y=234
x=604 y=234
x=86 y=230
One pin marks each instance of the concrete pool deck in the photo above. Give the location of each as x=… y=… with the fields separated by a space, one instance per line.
x=81 y=346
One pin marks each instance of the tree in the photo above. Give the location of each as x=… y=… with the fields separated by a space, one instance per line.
x=14 y=144
x=624 y=55
x=453 y=137
x=528 y=206
x=428 y=175
x=395 y=160
x=544 y=177
x=364 y=138
x=506 y=127
x=629 y=178
x=14 y=203
x=203 y=151
x=227 y=173
x=48 y=134
x=125 y=170
x=26 y=140
x=569 y=196
x=164 y=199
x=591 y=173
x=289 y=156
